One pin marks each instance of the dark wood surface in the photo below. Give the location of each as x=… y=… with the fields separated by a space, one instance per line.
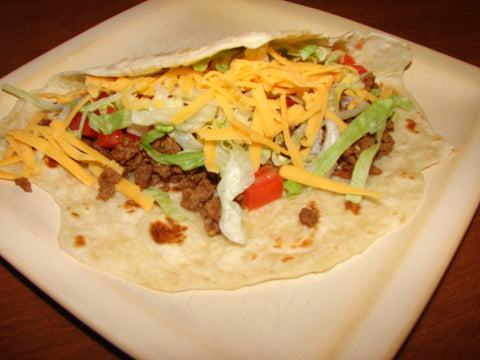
x=32 y=326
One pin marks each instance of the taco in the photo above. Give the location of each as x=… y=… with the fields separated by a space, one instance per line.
x=260 y=157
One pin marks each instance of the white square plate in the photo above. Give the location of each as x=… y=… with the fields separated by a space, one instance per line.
x=338 y=314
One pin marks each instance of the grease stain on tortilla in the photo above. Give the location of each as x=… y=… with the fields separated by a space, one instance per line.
x=79 y=241
x=167 y=233
x=303 y=243
x=354 y=208
x=407 y=176
x=278 y=243
x=73 y=212
x=411 y=126
x=130 y=206
x=49 y=162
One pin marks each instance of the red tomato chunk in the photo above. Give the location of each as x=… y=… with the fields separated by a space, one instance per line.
x=110 y=140
x=267 y=187
x=87 y=130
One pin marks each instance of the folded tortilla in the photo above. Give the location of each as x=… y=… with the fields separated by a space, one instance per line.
x=116 y=238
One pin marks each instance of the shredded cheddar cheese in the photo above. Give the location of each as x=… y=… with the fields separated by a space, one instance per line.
x=264 y=97
x=128 y=189
x=316 y=181
x=54 y=141
x=210 y=156
x=193 y=107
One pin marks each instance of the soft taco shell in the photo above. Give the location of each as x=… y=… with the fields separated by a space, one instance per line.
x=115 y=238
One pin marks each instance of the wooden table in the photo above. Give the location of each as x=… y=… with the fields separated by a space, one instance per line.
x=33 y=326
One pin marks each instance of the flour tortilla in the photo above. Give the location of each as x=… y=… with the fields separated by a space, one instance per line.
x=116 y=239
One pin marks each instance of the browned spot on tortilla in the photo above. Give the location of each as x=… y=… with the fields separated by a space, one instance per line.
x=355 y=208
x=306 y=243
x=309 y=215
x=86 y=206
x=407 y=176
x=49 y=162
x=278 y=243
x=411 y=125
x=167 y=233
x=303 y=243
x=79 y=241
x=130 y=206
x=288 y=258
x=75 y=214
x=254 y=256
x=24 y=183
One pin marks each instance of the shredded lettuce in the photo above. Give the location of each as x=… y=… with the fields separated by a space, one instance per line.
x=202 y=65
x=164 y=128
x=161 y=116
x=25 y=95
x=292 y=188
x=362 y=166
x=368 y=121
x=236 y=176
x=187 y=160
x=203 y=116
x=112 y=100
x=221 y=60
x=168 y=207
x=307 y=51
x=151 y=136
x=187 y=141
x=108 y=123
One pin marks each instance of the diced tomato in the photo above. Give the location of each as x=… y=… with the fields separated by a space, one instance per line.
x=267 y=187
x=133 y=136
x=348 y=60
x=290 y=102
x=87 y=130
x=110 y=140
x=103 y=95
x=111 y=110
x=361 y=70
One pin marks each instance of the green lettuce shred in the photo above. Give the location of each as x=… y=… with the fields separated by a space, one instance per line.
x=25 y=95
x=292 y=188
x=108 y=123
x=169 y=208
x=186 y=160
x=370 y=121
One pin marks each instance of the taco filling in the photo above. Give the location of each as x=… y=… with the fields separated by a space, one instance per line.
x=201 y=148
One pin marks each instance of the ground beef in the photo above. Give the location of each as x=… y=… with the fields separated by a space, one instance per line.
x=143 y=175
x=24 y=183
x=126 y=151
x=195 y=196
x=309 y=216
x=347 y=161
x=386 y=146
x=211 y=214
x=166 y=145
x=162 y=171
x=197 y=186
x=107 y=181
x=369 y=81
